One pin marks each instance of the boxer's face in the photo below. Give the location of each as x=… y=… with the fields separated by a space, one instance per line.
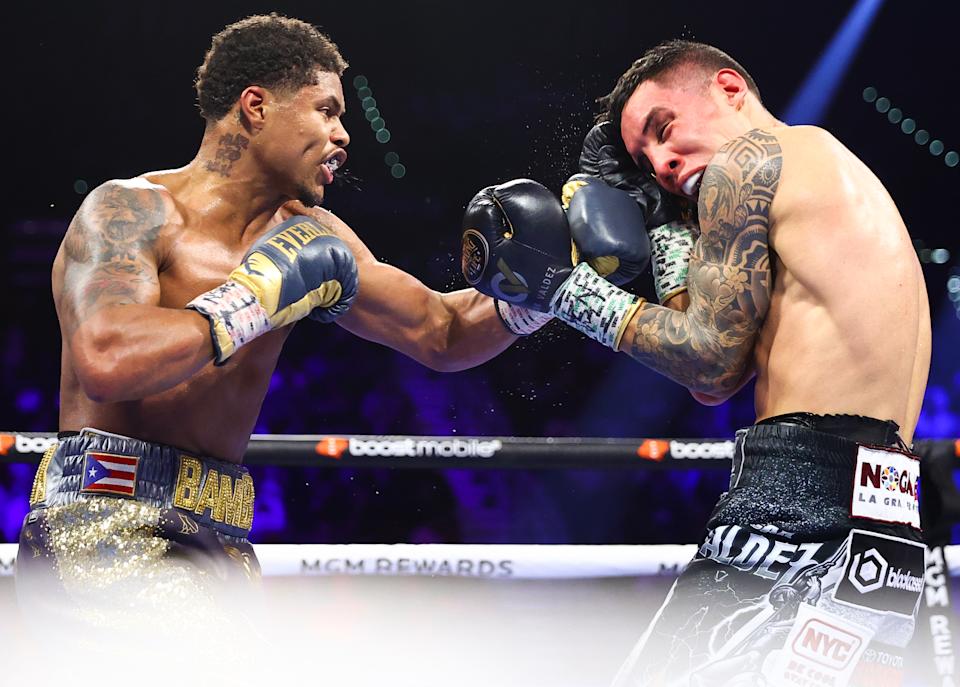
x=674 y=128
x=308 y=139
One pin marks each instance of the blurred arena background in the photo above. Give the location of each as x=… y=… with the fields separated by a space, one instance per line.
x=443 y=99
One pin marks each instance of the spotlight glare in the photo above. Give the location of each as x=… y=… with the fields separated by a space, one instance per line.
x=383 y=135
x=882 y=105
x=939 y=256
x=895 y=115
x=359 y=81
x=921 y=137
x=377 y=124
x=953 y=284
x=368 y=103
x=371 y=114
x=364 y=93
x=869 y=94
x=391 y=158
x=936 y=147
x=951 y=159
x=398 y=171
x=908 y=126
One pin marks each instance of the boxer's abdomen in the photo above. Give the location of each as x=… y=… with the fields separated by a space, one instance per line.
x=212 y=413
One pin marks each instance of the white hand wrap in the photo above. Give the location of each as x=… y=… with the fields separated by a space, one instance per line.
x=519 y=320
x=236 y=317
x=594 y=306
x=670 y=246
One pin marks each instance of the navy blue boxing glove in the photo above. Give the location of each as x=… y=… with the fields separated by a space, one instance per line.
x=516 y=244
x=295 y=270
x=607 y=227
x=670 y=222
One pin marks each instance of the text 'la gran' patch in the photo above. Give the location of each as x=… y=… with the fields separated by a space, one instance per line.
x=885 y=487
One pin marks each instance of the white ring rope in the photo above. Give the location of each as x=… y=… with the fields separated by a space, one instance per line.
x=490 y=561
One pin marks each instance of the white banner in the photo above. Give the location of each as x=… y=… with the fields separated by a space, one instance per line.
x=489 y=561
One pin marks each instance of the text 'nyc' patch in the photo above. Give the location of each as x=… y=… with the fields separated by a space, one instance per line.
x=882 y=573
x=885 y=487
x=822 y=650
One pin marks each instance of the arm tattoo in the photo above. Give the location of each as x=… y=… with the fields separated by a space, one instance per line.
x=108 y=250
x=707 y=347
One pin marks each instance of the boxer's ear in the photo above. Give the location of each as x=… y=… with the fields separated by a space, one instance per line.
x=252 y=106
x=732 y=86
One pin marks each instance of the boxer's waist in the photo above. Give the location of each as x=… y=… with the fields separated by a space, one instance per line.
x=822 y=474
x=215 y=493
x=858 y=428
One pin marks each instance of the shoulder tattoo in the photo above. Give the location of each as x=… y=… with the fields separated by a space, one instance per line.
x=108 y=248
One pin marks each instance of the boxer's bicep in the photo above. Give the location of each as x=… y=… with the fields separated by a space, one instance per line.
x=729 y=279
x=335 y=225
x=392 y=307
x=109 y=252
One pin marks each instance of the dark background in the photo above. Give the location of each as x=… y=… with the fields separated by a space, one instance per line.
x=472 y=94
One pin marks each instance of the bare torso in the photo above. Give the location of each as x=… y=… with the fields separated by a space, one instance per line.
x=848 y=330
x=213 y=412
x=138 y=251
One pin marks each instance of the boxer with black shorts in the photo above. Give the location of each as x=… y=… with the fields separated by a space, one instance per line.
x=175 y=292
x=803 y=275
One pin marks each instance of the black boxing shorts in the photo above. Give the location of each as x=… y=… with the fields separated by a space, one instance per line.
x=811 y=570
x=121 y=529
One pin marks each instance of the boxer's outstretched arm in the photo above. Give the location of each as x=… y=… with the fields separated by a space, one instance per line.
x=444 y=331
x=708 y=347
x=121 y=344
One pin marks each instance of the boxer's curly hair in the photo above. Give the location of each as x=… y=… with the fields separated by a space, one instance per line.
x=267 y=50
x=662 y=62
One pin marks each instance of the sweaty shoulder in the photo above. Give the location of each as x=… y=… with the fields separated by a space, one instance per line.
x=817 y=168
x=736 y=192
x=125 y=215
x=334 y=224
x=138 y=191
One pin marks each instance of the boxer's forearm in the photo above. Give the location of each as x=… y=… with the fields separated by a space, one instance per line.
x=443 y=331
x=475 y=333
x=680 y=302
x=703 y=359
x=128 y=352
x=707 y=346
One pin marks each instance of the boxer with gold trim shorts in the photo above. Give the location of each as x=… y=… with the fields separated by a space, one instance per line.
x=120 y=528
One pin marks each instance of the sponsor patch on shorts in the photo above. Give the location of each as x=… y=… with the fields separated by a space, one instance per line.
x=885 y=487
x=882 y=573
x=821 y=650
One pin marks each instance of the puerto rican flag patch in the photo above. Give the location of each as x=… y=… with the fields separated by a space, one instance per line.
x=108 y=473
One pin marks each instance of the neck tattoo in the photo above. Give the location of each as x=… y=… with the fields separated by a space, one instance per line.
x=229 y=149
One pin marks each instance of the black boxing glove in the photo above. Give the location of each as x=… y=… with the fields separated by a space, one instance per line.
x=670 y=225
x=607 y=228
x=516 y=248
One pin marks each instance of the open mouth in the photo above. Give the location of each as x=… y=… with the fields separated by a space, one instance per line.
x=335 y=161
x=691 y=187
x=332 y=164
